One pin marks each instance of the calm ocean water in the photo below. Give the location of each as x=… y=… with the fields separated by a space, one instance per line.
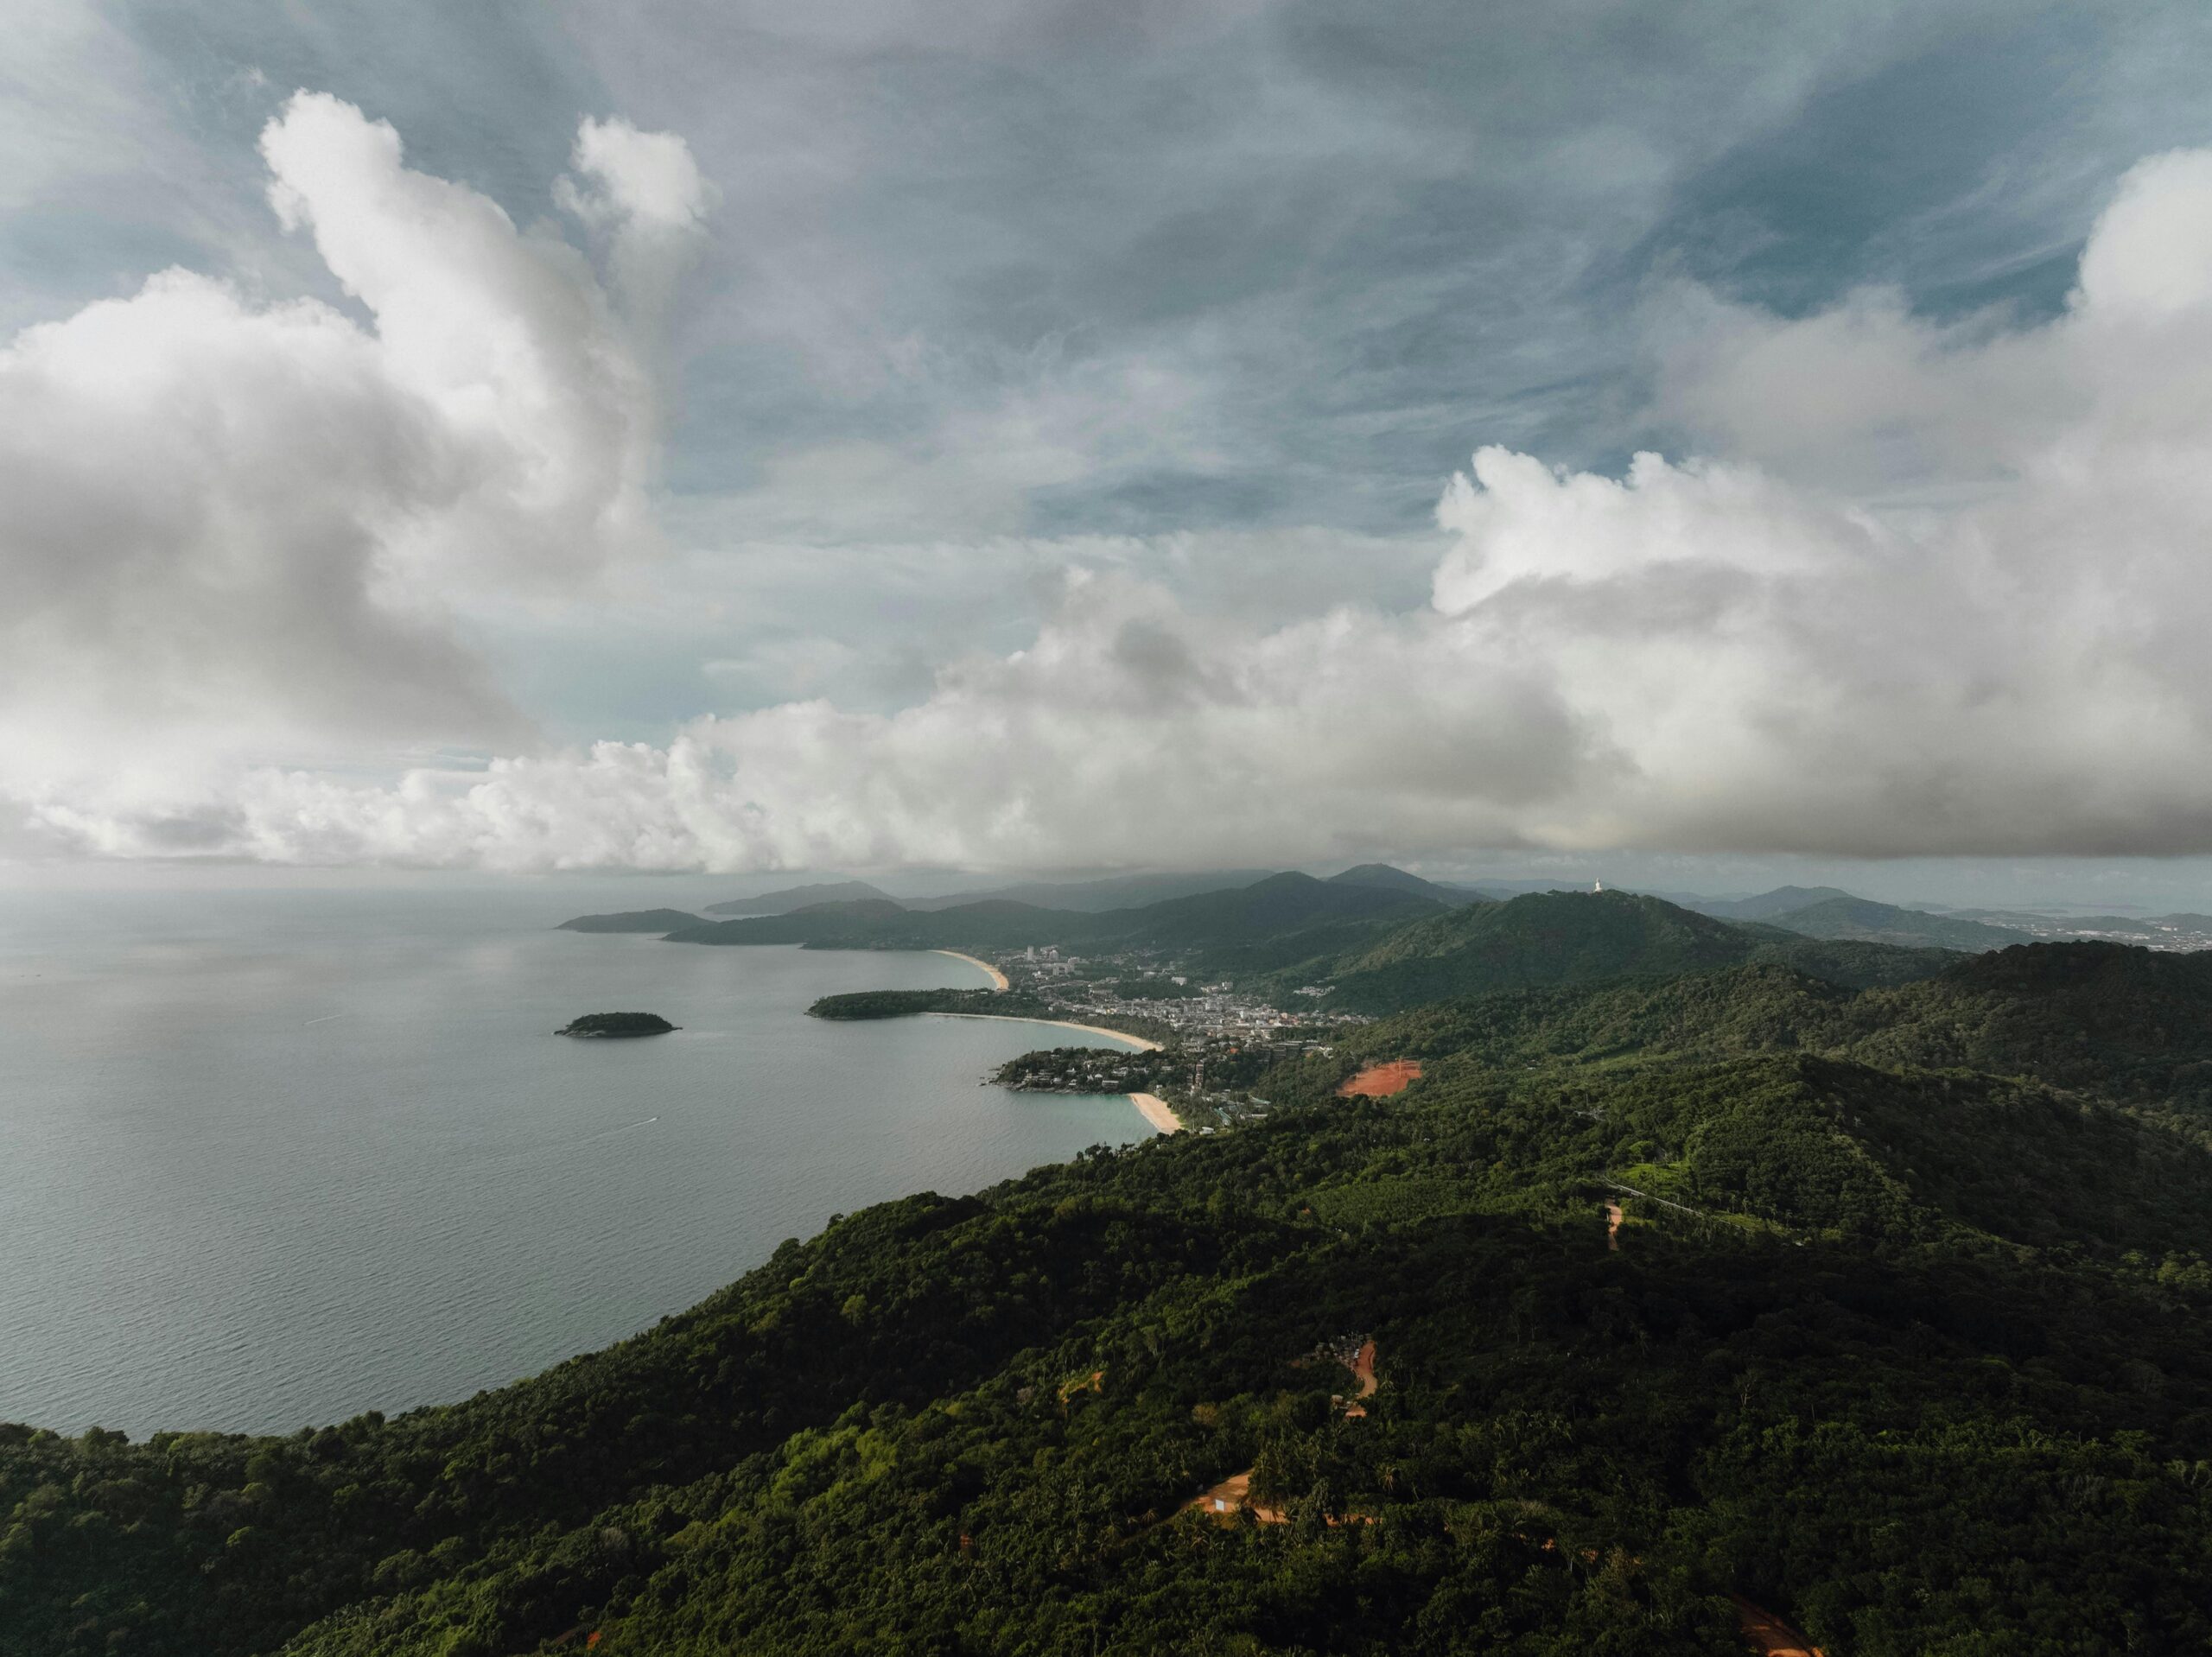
x=270 y=1159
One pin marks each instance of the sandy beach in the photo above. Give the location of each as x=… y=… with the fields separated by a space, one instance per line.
x=1154 y=1109
x=998 y=978
x=1150 y=1106
x=1137 y=1042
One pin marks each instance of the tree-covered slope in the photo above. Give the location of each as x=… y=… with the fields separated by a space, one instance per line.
x=806 y=897
x=1917 y=1355
x=1283 y=918
x=2120 y=1022
x=1856 y=964
x=632 y=920
x=1766 y=904
x=1550 y=938
x=1873 y=922
x=1393 y=878
x=2113 y=1018
x=1731 y=1013
x=1923 y=1361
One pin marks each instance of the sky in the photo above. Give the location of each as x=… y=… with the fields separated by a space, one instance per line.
x=1702 y=444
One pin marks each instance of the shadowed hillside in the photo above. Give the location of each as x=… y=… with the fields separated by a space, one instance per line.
x=1584 y=937
x=1873 y=922
x=1283 y=918
x=1396 y=879
x=2115 y=1020
x=632 y=920
x=792 y=898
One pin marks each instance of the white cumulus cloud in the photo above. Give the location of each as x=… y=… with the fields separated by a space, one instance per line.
x=233 y=526
x=1932 y=588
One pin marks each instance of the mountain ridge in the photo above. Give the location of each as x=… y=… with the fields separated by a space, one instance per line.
x=795 y=897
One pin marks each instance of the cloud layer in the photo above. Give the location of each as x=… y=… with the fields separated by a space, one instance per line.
x=234 y=526
x=1938 y=586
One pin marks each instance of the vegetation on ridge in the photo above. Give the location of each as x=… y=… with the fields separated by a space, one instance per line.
x=1908 y=1336
x=631 y=920
x=1561 y=938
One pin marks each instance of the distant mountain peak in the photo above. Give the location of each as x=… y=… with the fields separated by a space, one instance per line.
x=1378 y=874
x=1388 y=877
x=806 y=897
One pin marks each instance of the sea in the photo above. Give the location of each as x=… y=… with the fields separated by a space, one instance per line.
x=272 y=1159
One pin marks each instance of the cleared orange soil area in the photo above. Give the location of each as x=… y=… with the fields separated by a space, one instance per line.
x=1768 y=1635
x=1612 y=1225
x=1234 y=1494
x=1380 y=1081
x=1230 y=1497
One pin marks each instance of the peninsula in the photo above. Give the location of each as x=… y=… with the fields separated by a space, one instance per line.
x=632 y=920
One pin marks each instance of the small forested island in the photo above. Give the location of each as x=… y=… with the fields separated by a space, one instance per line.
x=614 y=1025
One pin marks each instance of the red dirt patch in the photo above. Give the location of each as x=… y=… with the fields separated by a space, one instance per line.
x=1380 y=1081
x=1225 y=1500
x=1233 y=1495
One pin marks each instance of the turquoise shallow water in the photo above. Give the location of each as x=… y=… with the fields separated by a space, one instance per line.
x=270 y=1160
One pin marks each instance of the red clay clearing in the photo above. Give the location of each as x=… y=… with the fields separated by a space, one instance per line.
x=1768 y=1634
x=1612 y=1225
x=1380 y=1081
x=1230 y=1497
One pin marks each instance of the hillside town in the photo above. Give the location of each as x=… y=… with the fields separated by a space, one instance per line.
x=1214 y=1042
x=1149 y=995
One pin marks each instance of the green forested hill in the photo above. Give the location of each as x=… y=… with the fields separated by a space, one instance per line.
x=2123 y=1023
x=2108 y=1017
x=792 y=898
x=1582 y=937
x=632 y=920
x=1845 y=917
x=1542 y=938
x=1919 y=1358
x=1398 y=879
x=1382 y=944
x=1264 y=926
x=1767 y=904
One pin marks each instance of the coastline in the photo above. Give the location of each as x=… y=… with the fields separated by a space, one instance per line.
x=1141 y=1044
x=1150 y=1106
x=999 y=980
x=1157 y=1111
